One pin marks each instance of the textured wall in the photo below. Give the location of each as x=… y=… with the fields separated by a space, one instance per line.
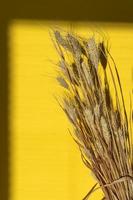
x=45 y=162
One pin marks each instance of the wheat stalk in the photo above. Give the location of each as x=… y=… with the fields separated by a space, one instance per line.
x=101 y=126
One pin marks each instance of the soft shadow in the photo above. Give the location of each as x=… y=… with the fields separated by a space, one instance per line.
x=4 y=132
x=77 y=10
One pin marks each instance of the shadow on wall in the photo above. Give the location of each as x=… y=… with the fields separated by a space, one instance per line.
x=85 y=10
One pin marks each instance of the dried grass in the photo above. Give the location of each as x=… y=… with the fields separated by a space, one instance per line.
x=101 y=126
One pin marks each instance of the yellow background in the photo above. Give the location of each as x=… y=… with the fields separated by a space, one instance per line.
x=45 y=161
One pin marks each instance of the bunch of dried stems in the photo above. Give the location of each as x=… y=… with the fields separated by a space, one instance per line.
x=102 y=129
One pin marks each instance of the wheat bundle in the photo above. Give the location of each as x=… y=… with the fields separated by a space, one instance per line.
x=102 y=128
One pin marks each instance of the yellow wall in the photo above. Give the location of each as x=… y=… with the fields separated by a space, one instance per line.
x=45 y=161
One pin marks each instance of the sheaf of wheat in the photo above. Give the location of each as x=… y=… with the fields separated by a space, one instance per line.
x=101 y=127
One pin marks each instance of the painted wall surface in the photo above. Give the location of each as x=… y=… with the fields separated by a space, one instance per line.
x=45 y=161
